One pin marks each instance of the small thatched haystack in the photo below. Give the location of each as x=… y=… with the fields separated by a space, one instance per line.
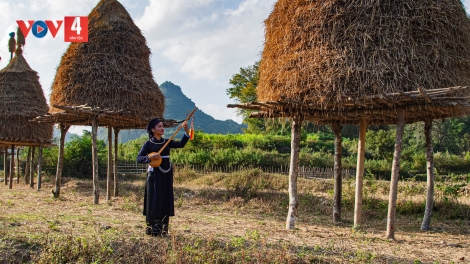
x=111 y=71
x=21 y=100
x=331 y=53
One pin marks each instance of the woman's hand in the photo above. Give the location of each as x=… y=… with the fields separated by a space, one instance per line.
x=154 y=156
x=185 y=126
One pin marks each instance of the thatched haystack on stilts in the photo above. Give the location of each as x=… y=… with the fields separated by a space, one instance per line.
x=110 y=71
x=106 y=81
x=21 y=100
x=357 y=55
x=358 y=62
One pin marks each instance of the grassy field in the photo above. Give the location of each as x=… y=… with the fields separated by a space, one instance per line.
x=232 y=218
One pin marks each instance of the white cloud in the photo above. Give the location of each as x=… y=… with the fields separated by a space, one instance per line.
x=78 y=130
x=222 y=112
x=204 y=40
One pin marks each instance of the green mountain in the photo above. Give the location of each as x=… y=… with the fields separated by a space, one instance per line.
x=177 y=106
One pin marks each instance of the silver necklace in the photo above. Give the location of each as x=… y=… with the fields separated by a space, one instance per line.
x=156 y=143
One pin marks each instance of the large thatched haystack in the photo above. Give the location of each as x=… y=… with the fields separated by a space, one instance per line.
x=21 y=100
x=329 y=53
x=111 y=71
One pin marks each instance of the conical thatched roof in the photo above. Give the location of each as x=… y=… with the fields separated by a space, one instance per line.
x=111 y=71
x=326 y=55
x=22 y=99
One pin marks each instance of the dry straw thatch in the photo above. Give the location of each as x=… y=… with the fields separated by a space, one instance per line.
x=110 y=72
x=343 y=60
x=22 y=99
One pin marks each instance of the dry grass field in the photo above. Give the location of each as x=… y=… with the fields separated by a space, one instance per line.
x=221 y=219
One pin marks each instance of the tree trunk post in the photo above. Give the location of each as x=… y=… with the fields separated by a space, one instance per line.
x=337 y=173
x=60 y=160
x=361 y=150
x=27 y=167
x=31 y=176
x=12 y=166
x=94 y=131
x=110 y=163
x=392 y=200
x=115 y=163
x=293 y=172
x=39 y=167
x=5 y=165
x=430 y=175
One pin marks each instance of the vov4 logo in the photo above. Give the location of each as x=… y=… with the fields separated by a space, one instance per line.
x=75 y=28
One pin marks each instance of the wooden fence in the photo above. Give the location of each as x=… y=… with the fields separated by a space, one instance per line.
x=304 y=172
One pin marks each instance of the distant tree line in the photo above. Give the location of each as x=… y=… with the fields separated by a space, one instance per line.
x=272 y=149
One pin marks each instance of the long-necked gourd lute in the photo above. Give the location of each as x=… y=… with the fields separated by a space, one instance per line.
x=156 y=162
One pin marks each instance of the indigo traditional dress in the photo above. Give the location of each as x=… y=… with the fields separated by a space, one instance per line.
x=159 y=197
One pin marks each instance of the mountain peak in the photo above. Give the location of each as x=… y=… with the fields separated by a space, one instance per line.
x=177 y=105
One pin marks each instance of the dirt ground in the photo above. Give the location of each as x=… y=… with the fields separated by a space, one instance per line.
x=27 y=211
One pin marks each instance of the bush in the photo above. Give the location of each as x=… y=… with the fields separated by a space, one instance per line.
x=308 y=157
x=446 y=162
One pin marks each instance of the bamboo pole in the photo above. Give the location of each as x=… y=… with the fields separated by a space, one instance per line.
x=94 y=150
x=60 y=160
x=12 y=166
x=293 y=173
x=392 y=202
x=115 y=163
x=430 y=175
x=39 y=167
x=110 y=163
x=360 y=172
x=337 y=173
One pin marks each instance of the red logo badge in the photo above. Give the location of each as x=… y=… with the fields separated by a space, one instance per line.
x=76 y=29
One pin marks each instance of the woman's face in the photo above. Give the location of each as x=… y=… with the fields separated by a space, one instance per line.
x=158 y=130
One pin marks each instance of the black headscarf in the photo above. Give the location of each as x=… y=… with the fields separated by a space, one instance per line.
x=151 y=125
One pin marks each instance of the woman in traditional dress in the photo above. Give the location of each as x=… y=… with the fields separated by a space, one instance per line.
x=159 y=198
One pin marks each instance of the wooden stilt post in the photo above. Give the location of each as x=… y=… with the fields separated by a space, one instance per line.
x=337 y=173
x=361 y=149
x=293 y=172
x=60 y=160
x=18 y=170
x=31 y=176
x=12 y=166
x=27 y=167
x=392 y=200
x=430 y=175
x=39 y=167
x=110 y=163
x=5 y=165
x=115 y=163
x=94 y=131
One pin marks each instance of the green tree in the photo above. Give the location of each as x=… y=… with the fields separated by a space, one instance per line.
x=78 y=156
x=130 y=149
x=381 y=143
x=243 y=90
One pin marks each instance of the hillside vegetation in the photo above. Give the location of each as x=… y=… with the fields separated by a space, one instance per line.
x=451 y=155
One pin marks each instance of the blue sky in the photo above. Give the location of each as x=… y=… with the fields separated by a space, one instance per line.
x=196 y=44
